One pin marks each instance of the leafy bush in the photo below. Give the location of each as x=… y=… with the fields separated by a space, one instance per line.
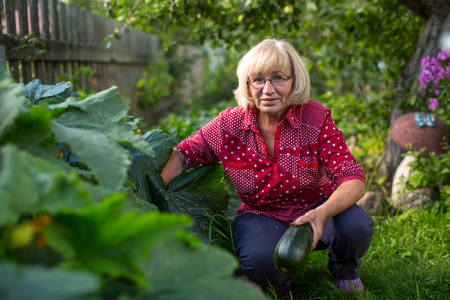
x=71 y=225
x=156 y=83
x=429 y=172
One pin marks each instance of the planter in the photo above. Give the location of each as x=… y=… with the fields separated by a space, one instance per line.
x=406 y=131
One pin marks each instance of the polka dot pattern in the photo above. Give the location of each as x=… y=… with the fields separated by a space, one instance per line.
x=311 y=159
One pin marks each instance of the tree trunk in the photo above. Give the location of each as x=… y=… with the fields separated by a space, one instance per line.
x=437 y=16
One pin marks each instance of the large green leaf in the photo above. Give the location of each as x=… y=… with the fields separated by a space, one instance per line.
x=200 y=193
x=180 y=272
x=41 y=283
x=30 y=185
x=36 y=91
x=31 y=132
x=102 y=239
x=106 y=159
x=10 y=100
x=94 y=128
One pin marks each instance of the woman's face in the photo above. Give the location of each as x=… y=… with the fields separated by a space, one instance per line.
x=271 y=97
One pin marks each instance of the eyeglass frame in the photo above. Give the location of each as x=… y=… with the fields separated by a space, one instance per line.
x=250 y=82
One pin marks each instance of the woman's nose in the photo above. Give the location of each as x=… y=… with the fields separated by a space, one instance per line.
x=268 y=87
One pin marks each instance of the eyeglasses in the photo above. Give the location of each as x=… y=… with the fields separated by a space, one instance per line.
x=275 y=80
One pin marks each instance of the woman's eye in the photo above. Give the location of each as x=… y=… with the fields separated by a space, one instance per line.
x=258 y=80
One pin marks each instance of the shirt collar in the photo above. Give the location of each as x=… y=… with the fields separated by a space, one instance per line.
x=293 y=116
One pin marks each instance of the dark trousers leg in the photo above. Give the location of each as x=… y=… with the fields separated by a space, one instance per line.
x=256 y=238
x=347 y=236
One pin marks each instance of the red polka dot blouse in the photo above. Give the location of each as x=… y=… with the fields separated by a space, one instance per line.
x=311 y=159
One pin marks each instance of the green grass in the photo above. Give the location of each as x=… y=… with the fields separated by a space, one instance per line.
x=409 y=259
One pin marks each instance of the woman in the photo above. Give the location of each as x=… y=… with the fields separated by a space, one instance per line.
x=289 y=164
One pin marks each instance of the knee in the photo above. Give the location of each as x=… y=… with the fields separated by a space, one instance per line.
x=356 y=232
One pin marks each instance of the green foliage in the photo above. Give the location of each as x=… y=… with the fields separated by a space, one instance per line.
x=429 y=172
x=156 y=83
x=182 y=125
x=31 y=45
x=345 y=43
x=204 y=184
x=79 y=75
x=39 y=282
x=71 y=224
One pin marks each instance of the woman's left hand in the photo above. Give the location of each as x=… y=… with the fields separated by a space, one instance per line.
x=316 y=221
x=347 y=194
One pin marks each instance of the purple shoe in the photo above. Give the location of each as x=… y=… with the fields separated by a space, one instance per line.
x=349 y=285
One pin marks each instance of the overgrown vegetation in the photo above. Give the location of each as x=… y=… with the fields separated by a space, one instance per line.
x=70 y=217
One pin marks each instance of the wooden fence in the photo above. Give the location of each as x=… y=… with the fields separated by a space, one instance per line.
x=64 y=39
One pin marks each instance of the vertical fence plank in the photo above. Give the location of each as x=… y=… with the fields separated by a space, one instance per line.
x=1 y=17
x=39 y=69
x=76 y=25
x=62 y=22
x=69 y=22
x=45 y=19
x=23 y=17
x=84 y=28
x=10 y=17
x=54 y=17
x=34 y=17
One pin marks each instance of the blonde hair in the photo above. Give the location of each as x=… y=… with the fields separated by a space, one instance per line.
x=268 y=56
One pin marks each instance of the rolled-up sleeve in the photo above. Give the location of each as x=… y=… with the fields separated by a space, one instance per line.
x=340 y=164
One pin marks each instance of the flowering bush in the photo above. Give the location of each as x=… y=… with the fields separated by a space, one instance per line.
x=434 y=83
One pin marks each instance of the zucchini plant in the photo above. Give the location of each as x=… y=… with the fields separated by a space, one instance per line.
x=83 y=213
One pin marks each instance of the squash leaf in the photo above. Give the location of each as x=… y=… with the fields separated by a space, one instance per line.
x=37 y=282
x=29 y=185
x=104 y=240
x=180 y=272
x=10 y=100
x=200 y=193
x=94 y=129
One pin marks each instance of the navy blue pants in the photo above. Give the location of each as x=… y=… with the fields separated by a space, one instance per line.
x=347 y=236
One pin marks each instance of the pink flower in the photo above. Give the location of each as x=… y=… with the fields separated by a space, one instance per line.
x=433 y=103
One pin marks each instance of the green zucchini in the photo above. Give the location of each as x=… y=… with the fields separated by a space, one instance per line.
x=292 y=251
